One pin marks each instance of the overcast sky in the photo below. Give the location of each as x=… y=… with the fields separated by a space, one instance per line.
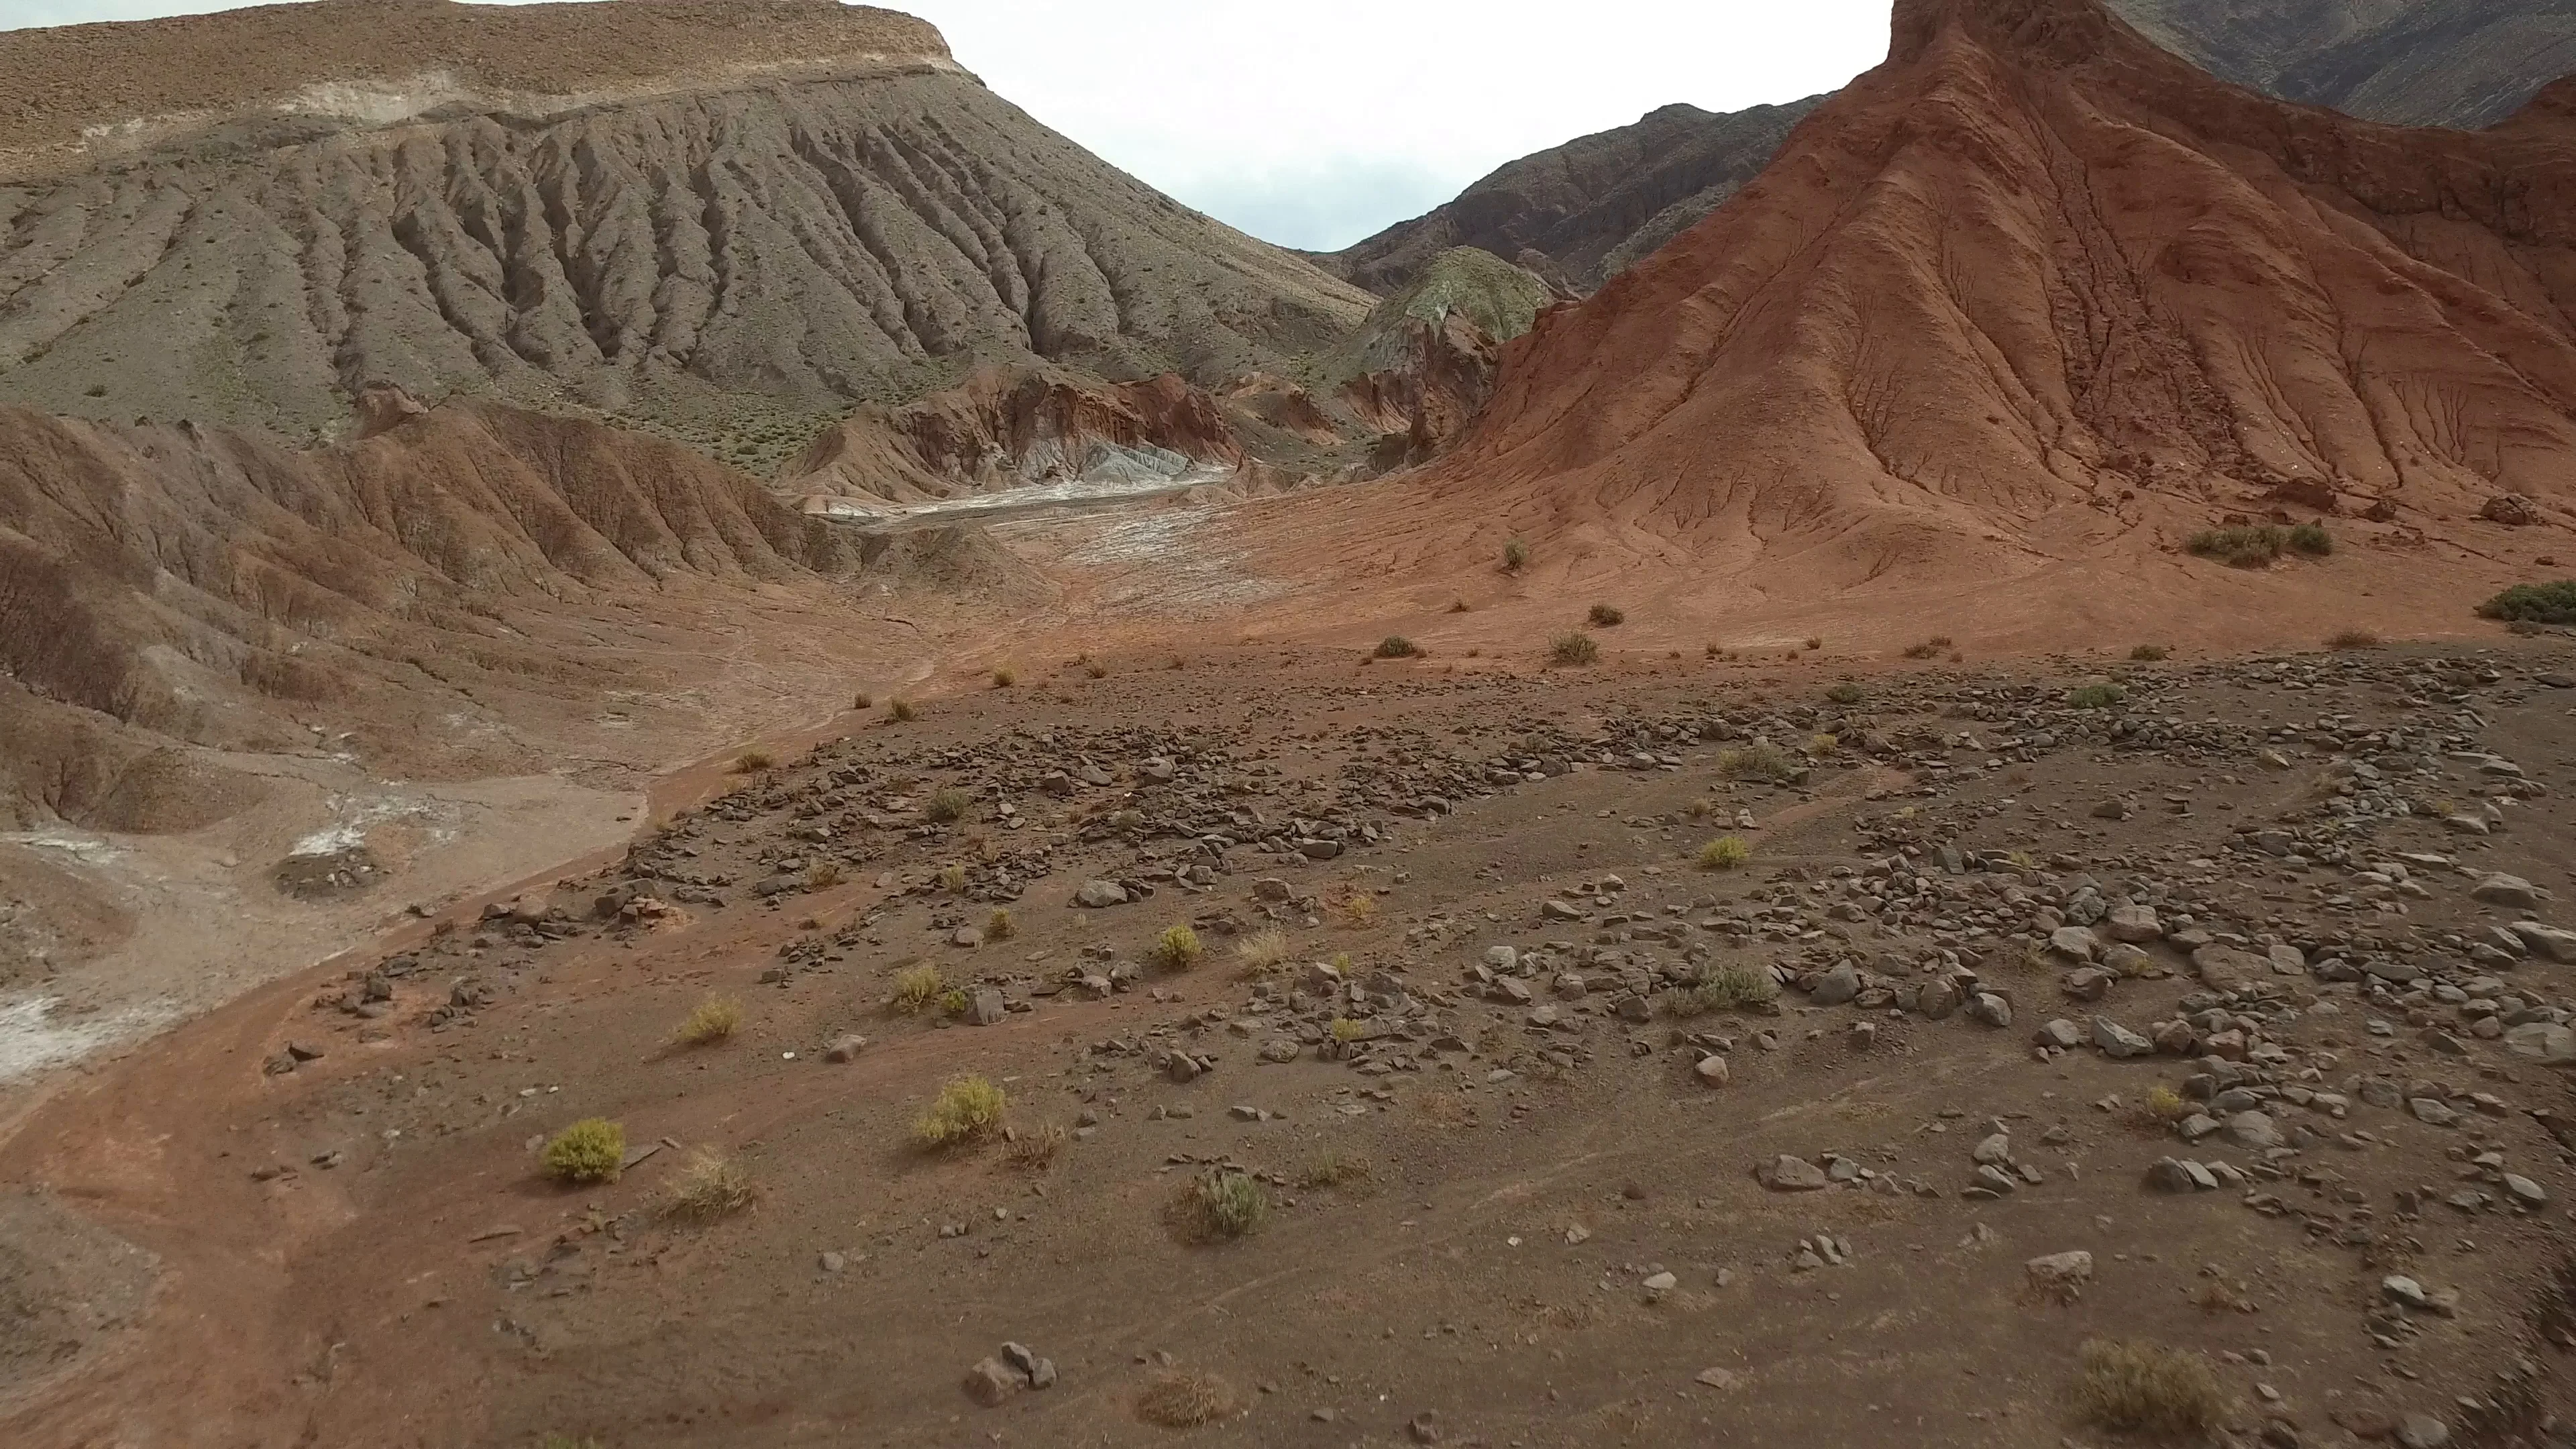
x=1316 y=123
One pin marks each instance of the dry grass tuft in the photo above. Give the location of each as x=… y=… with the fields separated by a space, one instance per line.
x=1185 y=1399
x=968 y=1109
x=1177 y=949
x=1758 y=762
x=752 y=762
x=1001 y=925
x=1724 y=853
x=711 y=1187
x=916 y=987
x=2135 y=1386
x=1574 y=648
x=711 y=1021
x=1336 y=1169
x=1263 y=952
x=2354 y=639
x=1219 y=1205
x=590 y=1150
x=900 y=711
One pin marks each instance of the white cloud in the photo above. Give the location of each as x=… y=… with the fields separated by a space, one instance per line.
x=1316 y=124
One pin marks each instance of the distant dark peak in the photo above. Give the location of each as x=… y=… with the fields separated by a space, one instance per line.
x=2062 y=32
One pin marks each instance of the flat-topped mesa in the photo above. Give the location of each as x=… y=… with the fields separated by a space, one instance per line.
x=93 y=93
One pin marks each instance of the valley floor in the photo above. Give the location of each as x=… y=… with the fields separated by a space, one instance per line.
x=2242 y=982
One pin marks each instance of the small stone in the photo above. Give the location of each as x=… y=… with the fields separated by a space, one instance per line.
x=832 y=1262
x=2525 y=1191
x=1837 y=986
x=1100 y=894
x=1716 y=1378
x=2060 y=1273
x=1713 y=1071
x=1995 y=1149
x=2422 y=1431
x=2118 y=1041
x=2500 y=889
x=845 y=1048
x=2253 y=1131
x=985 y=1006
x=1792 y=1174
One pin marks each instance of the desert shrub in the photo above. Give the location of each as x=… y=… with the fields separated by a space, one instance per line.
x=863 y=700
x=1220 y=1205
x=952 y=878
x=1001 y=925
x=1575 y=648
x=1515 y=556
x=2311 y=539
x=711 y=1021
x=2097 y=696
x=2150 y=653
x=712 y=1186
x=1185 y=1399
x=1334 y=1169
x=1847 y=693
x=968 y=1109
x=1036 y=1151
x=1262 y=952
x=2353 y=639
x=1604 y=616
x=1396 y=646
x=2243 y=546
x=916 y=987
x=1724 y=853
x=2133 y=1386
x=1932 y=648
x=1005 y=677
x=1177 y=949
x=2165 y=1105
x=2553 y=603
x=1346 y=1031
x=1733 y=986
x=823 y=875
x=1459 y=606
x=1356 y=909
x=1758 y=762
x=590 y=1150
x=1819 y=746
x=946 y=806
x=900 y=710
x=752 y=762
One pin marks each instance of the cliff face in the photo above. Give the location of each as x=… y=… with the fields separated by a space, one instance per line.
x=813 y=213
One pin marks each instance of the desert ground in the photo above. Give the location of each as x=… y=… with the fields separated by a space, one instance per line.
x=1486 y=1098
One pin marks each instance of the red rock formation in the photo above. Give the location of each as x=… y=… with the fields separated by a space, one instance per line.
x=2035 y=263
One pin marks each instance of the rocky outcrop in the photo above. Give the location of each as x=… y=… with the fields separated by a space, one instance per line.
x=1016 y=427
x=727 y=252
x=1423 y=364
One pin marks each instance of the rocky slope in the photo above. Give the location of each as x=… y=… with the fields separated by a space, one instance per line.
x=2461 y=63
x=1594 y=206
x=438 y=596
x=818 y=208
